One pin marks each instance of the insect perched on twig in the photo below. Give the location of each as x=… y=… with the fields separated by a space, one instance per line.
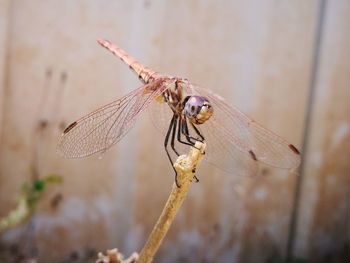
x=234 y=141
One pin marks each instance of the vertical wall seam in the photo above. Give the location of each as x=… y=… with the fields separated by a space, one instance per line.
x=6 y=71
x=293 y=225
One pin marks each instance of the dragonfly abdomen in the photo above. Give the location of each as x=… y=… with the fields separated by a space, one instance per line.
x=145 y=74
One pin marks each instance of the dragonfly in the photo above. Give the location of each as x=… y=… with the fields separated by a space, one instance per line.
x=186 y=113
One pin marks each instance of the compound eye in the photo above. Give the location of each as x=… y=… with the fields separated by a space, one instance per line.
x=198 y=109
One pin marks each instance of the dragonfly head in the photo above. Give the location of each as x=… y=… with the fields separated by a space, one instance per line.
x=197 y=109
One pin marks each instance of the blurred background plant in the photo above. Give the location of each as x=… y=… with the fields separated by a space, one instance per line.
x=31 y=194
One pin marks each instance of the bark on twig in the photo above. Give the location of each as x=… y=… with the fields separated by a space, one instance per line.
x=185 y=166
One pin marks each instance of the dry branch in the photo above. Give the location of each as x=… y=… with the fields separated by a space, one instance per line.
x=185 y=166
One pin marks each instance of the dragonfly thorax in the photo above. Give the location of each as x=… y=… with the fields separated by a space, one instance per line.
x=197 y=109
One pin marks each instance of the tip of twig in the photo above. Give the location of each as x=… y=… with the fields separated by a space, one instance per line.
x=187 y=164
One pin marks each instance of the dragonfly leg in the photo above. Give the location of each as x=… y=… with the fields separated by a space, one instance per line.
x=179 y=132
x=170 y=130
x=187 y=134
x=191 y=144
x=172 y=143
x=198 y=133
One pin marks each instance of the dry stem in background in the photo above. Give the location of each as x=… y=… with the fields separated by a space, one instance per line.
x=185 y=166
x=113 y=256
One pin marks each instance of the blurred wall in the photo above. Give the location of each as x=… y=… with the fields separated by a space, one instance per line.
x=259 y=55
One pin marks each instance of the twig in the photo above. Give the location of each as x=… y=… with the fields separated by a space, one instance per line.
x=185 y=167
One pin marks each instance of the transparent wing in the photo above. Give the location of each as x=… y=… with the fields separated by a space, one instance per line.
x=230 y=131
x=218 y=152
x=160 y=115
x=102 y=128
x=223 y=155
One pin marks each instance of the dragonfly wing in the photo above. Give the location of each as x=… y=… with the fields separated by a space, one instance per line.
x=160 y=114
x=222 y=155
x=104 y=127
x=232 y=131
x=218 y=152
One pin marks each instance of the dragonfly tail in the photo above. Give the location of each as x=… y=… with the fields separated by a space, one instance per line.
x=145 y=74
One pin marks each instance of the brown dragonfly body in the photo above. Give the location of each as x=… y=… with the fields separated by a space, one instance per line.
x=234 y=141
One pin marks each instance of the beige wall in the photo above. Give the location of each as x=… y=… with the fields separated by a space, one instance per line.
x=4 y=20
x=324 y=211
x=256 y=54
